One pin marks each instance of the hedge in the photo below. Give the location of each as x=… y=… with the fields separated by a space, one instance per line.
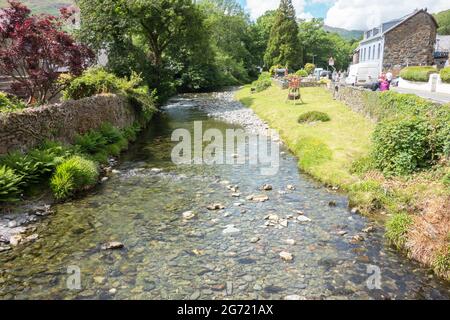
x=445 y=75
x=420 y=74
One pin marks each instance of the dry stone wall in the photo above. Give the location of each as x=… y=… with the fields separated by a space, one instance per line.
x=63 y=121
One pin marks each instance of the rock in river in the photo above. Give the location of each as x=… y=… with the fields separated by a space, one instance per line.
x=286 y=256
x=113 y=245
x=267 y=187
x=216 y=206
x=303 y=219
x=188 y=215
x=230 y=229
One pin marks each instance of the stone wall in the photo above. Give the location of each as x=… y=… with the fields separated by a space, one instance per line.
x=358 y=99
x=63 y=121
x=411 y=43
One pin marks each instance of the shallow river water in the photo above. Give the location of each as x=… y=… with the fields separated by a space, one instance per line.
x=167 y=257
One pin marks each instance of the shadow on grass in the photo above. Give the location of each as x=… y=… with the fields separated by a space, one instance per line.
x=247 y=101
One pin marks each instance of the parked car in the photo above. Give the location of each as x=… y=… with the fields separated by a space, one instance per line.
x=317 y=73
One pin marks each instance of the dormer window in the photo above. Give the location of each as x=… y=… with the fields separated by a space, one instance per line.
x=368 y=34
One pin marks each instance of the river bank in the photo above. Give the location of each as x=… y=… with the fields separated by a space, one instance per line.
x=329 y=151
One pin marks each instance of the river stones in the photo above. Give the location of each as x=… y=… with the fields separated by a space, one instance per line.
x=290 y=242
x=266 y=187
x=303 y=219
x=215 y=206
x=254 y=239
x=231 y=229
x=14 y=240
x=258 y=198
x=113 y=245
x=188 y=215
x=286 y=256
x=290 y=187
x=369 y=229
x=294 y=297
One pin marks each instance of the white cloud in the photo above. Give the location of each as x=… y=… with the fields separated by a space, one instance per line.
x=258 y=7
x=363 y=15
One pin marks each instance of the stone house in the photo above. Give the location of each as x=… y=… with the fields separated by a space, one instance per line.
x=394 y=44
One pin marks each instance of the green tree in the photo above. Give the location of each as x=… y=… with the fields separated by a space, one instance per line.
x=284 y=46
x=231 y=37
x=319 y=45
x=261 y=34
x=443 y=19
x=165 y=40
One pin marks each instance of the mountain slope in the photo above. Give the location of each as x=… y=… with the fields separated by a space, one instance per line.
x=344 y=33
x=42 y=6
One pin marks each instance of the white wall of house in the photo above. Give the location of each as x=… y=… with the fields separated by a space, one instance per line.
x=372 y=51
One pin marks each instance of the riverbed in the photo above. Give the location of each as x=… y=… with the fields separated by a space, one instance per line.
x=229 y=252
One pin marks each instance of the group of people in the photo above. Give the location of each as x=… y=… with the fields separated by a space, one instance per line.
x=383 y=83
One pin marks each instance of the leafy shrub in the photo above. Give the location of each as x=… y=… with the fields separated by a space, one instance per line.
x=445 y=75
x=401 y=146
x=309 y=68
x=313 y=116
x=302 y=73
x=420 y=74
x=72 y=175
x=98 y=80
x=264 y=81
x=9 y=104
x=130 y=133
x=397 y=229
x=9 y=185
x=391 y=104
x=441 y=263
x=24 y=166
x=91 y=142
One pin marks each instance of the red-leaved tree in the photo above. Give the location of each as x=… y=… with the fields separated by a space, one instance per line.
x=34 y=51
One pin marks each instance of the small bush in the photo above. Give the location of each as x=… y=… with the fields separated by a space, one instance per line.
x=313 y=116
x=397 y=229
x=9 y=104
x=91 y=142
x=401 y=146
x=420 y=74
x=445 y=75
x=309 y=68
x=98 y=80
x=362 y=165
x=72 y=175
x=302 y=73
x=9 y=185
x=264 y=81
x=27 y=168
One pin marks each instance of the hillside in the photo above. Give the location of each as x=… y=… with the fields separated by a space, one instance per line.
x=443 y=19
x=42 y=6
x=346 y=34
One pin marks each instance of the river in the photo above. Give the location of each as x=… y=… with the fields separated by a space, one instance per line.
x=168 y=257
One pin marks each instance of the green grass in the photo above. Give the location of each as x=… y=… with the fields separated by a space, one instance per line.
x=326 y=150
x=397 y=229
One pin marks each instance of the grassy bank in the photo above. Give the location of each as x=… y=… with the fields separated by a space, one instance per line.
x=336 y=152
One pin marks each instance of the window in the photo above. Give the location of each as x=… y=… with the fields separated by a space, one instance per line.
x=379 y=50
x=370 y=50
x=373 y=52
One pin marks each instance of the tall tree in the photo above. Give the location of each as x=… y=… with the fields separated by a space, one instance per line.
x=261 y=34
x=284 y=47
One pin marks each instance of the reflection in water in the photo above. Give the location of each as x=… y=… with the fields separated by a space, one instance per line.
x=167 y=257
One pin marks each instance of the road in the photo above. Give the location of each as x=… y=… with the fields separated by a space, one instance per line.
x=433 y=96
